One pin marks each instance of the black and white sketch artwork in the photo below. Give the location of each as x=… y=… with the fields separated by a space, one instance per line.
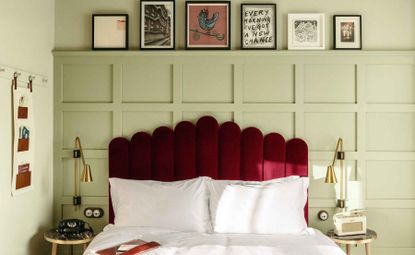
x=258 y=26
x=347 y=32
x=306 y=31
x=157 y=25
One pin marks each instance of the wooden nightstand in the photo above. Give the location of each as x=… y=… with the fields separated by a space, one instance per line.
x=55 y=238
x=354 y=239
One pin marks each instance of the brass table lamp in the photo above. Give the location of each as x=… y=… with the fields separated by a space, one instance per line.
x=86 y=175
x=331 y=175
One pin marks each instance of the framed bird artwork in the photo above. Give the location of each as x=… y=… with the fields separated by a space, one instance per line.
x=208 y=25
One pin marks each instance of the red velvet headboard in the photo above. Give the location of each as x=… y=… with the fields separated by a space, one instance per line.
x=206 y=149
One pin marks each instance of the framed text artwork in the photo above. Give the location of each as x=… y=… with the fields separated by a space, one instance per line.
x=208 y=25
x=110 y=31
x=157 y=25
x=347 y=32
x=258 y=26
x=306 y=31
x=23 y=133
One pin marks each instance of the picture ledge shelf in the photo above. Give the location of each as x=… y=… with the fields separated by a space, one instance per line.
x=85 y=53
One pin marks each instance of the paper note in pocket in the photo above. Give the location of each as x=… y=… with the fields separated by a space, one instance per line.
x=24 y=168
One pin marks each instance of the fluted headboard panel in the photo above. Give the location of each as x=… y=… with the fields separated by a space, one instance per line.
x=207 y=149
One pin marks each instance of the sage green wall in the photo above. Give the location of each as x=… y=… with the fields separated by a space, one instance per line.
x=387 y=24
x=362 y=96
x=367 y=98
x=26 y=41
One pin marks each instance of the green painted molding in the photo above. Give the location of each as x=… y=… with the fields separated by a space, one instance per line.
x=364 y=95
x=87 y=53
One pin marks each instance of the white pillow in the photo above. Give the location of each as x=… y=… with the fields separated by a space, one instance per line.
x=263 y=209
x=180 y=205
x=216 y=188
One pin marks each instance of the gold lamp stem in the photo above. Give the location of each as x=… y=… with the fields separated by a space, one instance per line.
x=79 y=146
x=331 y=178
x=86 y=172
x=339 y=148
x=342 y=182
x=75 y=177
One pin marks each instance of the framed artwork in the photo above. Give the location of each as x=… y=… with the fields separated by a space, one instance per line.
x=208 y=25
x=110 y=31
x=258 y=26
x=306 y=31
x=347 y=32
x=157 y=25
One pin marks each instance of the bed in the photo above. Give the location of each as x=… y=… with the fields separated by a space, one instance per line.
x=217 y=152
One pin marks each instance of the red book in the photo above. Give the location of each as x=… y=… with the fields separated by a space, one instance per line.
x=130 y=248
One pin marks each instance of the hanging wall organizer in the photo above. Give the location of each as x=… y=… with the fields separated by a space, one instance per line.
x=23 y=126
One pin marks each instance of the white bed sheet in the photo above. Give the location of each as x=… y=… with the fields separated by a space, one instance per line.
x=310 y=242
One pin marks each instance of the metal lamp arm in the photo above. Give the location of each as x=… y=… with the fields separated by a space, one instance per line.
x=78 y=145
x=339 y=147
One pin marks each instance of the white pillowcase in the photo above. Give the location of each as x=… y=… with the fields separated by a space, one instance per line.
x=216 y=188
x=263 y=209
x=180 y=205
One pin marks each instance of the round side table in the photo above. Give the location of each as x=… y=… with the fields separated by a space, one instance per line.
x=55 y=238
x=365 y=239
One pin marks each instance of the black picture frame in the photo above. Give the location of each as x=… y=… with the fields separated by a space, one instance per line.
x=264 y=21
x=343 y=40
x=101 y=30
x=195 y=33
x=156 y=39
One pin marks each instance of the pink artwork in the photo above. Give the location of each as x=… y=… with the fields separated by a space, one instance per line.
x=208 y=25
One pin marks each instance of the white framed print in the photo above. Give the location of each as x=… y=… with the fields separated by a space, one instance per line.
x=306 y=31
x=347 y=32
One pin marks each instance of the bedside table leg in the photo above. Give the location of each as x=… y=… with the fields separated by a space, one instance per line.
x=367 y=248
x=54 y=249
x=348 y=250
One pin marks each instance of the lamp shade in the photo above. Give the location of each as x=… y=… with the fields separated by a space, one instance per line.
x=86 y=174
x=330 y=175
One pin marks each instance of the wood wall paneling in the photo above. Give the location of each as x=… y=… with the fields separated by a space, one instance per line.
x=147 y=82
x=367 y=98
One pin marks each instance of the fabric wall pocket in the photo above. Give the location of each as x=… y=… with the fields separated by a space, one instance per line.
x=23 y=141
x=23 y=145
x=22 y=112
x=23 y=180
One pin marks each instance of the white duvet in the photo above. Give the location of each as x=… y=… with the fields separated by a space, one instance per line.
x=310 y=242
